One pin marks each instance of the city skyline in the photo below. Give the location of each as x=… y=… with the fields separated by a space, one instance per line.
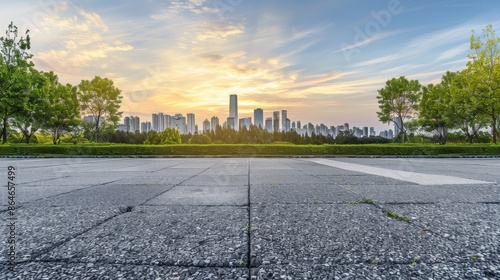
x=278 y=122
x=322 y=61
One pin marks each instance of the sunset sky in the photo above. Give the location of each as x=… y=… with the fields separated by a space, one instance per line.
x=323 y=61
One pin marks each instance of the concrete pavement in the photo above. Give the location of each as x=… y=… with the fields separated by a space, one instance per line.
x=252 y=218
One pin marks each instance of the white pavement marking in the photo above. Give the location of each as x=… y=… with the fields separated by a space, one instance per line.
x=419 y=178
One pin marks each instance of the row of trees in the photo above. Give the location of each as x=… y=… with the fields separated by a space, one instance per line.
x=253 y=135
x=466 y=101
x=33 y=100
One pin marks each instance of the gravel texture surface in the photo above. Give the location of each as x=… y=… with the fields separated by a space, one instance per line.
x=250 y=218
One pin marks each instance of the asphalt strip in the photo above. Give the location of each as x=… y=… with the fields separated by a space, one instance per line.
x=419 y=178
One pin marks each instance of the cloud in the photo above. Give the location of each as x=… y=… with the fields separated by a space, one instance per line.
x=214 y=58
x=218 y=30
x=84 y=41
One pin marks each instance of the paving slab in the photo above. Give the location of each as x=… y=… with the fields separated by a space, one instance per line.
x=40 y=228
x=279 y=178
x=329 y=234
x=203 y=195
x=108 y=195
x=195 y=236
x=475 y=270
x=301 y=193
x=88 y=271
x=428 y=194
x=473 y=226
x=217 y=180
x=361 y=180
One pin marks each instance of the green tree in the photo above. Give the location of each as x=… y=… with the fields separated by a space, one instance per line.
x=170 y=136
x=436 y=111
x=62 y=107
x=14 y=67
x=100 y=99
x=32 y=115
x=467 y=105
x=200 y=139
x=152 y=138
x=399 y=99
x=484 y=67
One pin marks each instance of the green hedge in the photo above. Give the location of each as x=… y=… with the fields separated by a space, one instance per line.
x=248 y=150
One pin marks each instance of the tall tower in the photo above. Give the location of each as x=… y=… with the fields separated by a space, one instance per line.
x=283 y=120
x=214 y=122
x=233 y=109
x=190 y=123
x=276 y=120
x=258 y=118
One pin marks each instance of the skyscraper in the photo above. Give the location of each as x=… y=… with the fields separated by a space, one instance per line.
x=276 y=120
x=269 y=124
x=161 y=122
x=258 y=117
x=214 y=122
x=179 y=122
x=233 y=109
x=283 y=120
x=230 y=122
x=191 y=123
x=154 y=121
x=206 y=126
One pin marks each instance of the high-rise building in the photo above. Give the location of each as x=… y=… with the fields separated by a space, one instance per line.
x=299 y=125
x=365 y=131
x=161 y=122
x=258 y=118
x=206 y=126
x=214 y=122
x=145 y=127
x=233 y=109
x=126 y=125
x=191 y=123
x=283 y=120
x=269 y=124
x=132 y=123
x=276 y=120
x=346 y=127
x=179 y=122
x=231 y=122
x=287 y=125
x=154 y=122
x=167 y=121
x=245 y=122
x=372 y=131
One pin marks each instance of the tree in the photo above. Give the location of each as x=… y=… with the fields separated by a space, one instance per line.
x=399 y=99
x=484 y=69
x=436 y=112
x=200 y=139
x=101 y=99
x=32 y=115
x=170 y=136
x=14 y=65
x=467 y=105
x=62 y=107
x=152 y=138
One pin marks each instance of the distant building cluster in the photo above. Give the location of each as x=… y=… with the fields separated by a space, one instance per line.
x=278 y=122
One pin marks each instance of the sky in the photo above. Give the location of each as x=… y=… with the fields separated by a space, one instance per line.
x=322 y=61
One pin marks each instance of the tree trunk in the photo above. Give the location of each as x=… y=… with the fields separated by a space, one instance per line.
x=494 y=126
x=4 y=129
x=402 y=131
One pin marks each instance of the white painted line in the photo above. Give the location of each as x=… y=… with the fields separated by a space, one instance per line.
x=419 y=178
